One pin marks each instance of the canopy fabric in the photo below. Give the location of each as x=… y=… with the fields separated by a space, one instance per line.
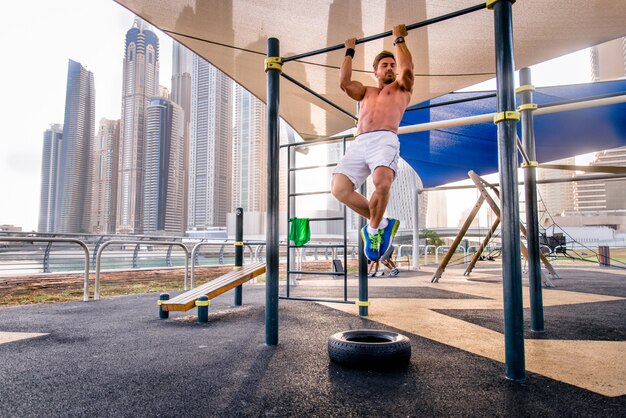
x=448 y=56
x=446 y=155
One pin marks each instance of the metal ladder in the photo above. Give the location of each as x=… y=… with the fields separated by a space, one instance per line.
x=295 y=271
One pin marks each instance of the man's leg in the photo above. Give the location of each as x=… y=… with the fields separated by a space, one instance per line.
x=383 y=178
x=387 y=228
x=343 y=190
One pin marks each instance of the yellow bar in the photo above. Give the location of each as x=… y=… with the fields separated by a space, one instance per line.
x=528 y=106
x=274 y=63
x=508 y=115
x=364 y=303
x=238 y=243
x=530 y=164
x=490 y=3
x=525 y=87
x=203 y=303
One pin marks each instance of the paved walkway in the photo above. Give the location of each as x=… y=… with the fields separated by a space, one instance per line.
x=116 y=358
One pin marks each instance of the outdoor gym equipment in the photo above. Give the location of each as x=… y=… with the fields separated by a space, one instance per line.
x=506 y=119
x=369 y=348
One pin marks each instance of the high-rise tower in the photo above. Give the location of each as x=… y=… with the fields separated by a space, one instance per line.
x=140 y=84
x=104 y=189
x=74 y=172
x=164 y=168
x=249 y=154
x=608 y=60
x=49 y=168
x=182 y=68
x=210 y=145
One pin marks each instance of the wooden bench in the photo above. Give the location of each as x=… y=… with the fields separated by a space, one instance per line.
x=215 y=287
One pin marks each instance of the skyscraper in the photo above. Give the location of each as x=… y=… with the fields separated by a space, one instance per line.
x=104 y=163
x=74 y=172
x=49 y=168
x=403 y=196
x=164 y=168
x=602 y=195
x=182 y=67
x=140 y=84
x=555 y=198
x=249 y=153
x=608 y=60
x=210 y=147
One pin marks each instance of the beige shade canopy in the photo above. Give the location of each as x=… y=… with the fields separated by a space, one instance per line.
x=450 y=55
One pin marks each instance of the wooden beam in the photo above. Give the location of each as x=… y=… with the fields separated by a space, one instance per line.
x=457 y=240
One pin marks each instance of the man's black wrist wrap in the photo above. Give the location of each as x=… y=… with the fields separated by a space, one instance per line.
x=350 y=52
x=399 y=40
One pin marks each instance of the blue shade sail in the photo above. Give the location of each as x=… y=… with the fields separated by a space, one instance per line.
x=446 y=155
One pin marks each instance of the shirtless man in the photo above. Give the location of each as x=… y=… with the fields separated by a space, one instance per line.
x=376 y=148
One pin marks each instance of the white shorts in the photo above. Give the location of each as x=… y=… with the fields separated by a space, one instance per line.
x=368 y=151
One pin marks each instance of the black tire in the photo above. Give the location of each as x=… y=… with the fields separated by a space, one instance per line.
x=369 y=347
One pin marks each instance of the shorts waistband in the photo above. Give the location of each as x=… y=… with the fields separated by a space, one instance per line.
x=376 y=131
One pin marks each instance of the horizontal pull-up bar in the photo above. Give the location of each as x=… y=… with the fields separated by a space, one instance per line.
x=451 y=102
x=589 y=177
x=319 y=96
x=320 y=141
x=388 y=33
x=474 y=120
x=588 y=168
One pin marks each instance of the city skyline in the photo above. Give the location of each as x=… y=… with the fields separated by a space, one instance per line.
x=102 y=25
x=91 y=33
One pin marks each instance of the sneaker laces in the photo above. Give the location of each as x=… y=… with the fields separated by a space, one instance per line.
x=375 y=241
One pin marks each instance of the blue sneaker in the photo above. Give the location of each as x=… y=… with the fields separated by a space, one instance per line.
x=387 y=254
x=371 y=244
x=388 y=234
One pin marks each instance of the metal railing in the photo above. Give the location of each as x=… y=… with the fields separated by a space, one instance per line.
x=196 y=248
x=96 y=292
x=52 y=240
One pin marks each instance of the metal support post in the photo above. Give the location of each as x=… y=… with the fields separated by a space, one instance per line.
x=363 y=296
x=238 y=251
x=273 y=70
x=530 y=188
x=203 y=303
x=416 y=230
x=507 y=162
x=163 y=314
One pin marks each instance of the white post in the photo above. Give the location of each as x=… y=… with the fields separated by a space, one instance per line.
x=416 y=230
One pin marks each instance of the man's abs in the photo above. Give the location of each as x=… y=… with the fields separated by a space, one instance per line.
x=382 y=110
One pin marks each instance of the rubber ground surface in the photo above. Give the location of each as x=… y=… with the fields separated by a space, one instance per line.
x=116 y=358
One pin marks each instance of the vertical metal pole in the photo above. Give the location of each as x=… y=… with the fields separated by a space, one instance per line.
x=532 y=218
x=507 y=162
x=363 y=297
x=272 y=230
x=238 y=252
x=416 y=229
x=345 y=237
x=363 y=290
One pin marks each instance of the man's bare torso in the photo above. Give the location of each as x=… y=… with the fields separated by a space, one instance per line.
x=382 y=109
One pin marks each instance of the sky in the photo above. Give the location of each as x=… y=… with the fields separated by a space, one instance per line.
x=38 y=38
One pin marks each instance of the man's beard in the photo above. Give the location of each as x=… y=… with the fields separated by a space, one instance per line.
x=389 y=78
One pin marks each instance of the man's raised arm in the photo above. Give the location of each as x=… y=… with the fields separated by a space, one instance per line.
x=354 y=89
x=403 y=58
